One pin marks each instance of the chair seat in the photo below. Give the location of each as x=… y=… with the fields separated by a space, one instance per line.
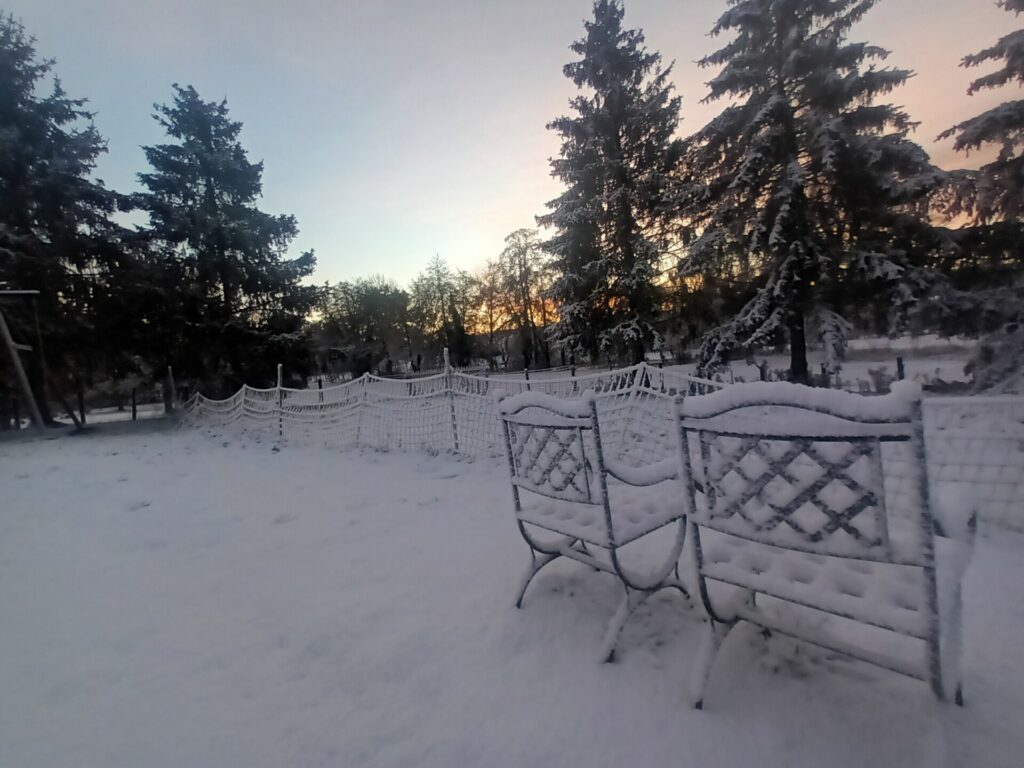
x=881 y=594
x=635 y=513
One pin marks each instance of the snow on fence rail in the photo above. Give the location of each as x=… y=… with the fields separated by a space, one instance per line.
x=448 y=411
x=972 y=441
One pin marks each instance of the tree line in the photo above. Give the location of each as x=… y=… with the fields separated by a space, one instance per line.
x=802 y=212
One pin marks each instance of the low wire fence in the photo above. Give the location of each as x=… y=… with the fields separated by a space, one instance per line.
x=978 y=441
x=447 y=412
x=972 y=441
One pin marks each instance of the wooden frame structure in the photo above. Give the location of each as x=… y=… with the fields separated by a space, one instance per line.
x=13 y=350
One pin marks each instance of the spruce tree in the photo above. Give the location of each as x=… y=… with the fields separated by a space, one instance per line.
x=806 y=189
x=986 y=289
x=617 y=154
x=239 y=302
x=56 y=234
x=996 y=191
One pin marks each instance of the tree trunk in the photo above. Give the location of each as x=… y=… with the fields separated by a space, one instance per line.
x=798 y=370
x=638 y=351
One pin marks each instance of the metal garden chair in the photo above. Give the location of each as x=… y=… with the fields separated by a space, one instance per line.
x=563 y=484
x=810 y=516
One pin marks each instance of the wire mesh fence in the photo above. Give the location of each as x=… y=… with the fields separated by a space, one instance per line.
x=977 y=442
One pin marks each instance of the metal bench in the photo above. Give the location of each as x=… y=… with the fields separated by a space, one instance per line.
x=810 y=516
x=572 y=501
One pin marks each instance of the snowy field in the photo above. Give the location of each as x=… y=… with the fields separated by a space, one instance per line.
x=172 y=600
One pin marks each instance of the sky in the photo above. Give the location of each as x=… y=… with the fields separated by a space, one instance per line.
x=397 y=129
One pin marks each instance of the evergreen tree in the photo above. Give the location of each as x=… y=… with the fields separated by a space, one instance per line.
x=56 y=235
x=616 y=157
x=239 y=301
x=985 y=292
x=806 y=187
x=996 y=191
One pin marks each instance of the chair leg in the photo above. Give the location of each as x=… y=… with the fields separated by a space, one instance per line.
x=536 y=563
x=701 y=671
x=629 y=603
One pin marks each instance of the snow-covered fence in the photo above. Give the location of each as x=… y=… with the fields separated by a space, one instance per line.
x=449 y=411
x=978 y=442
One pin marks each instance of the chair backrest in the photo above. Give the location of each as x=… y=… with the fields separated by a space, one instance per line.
x=810 y=470
x=553 y=446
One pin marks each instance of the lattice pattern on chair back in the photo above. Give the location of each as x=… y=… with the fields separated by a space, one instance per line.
x=803 y=478
x=552 y=449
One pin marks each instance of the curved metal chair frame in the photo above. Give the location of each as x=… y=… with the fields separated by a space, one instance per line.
x=725 y=496
x=554 y=450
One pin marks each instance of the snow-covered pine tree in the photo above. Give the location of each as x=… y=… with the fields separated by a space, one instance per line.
x=243 y=305
x=617 y=152
x=992 y=198
x=806 y=188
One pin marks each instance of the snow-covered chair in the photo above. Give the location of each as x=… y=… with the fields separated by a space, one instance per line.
x=810 y=516
x=563 y=484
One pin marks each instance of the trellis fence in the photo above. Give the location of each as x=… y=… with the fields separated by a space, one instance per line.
x=973 y=441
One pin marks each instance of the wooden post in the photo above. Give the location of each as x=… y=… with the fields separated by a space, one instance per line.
x=135 y=408
x=170 y=387
x=320 y=386
x=901 y=372
x=19 y=370
x=280 y=402
x=80 y=394
x=526 y=373
x=39 y=351
x=450 y=393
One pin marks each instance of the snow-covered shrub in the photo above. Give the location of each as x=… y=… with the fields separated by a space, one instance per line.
x=998 y=366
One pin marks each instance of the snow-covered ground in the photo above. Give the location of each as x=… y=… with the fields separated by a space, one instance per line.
x=172 y=600
x=105 y=415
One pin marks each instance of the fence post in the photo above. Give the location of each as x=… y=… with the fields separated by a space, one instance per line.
x=526 y=373
x=362 y=407
x=135 y=407
x=80 y=394
x=320 y=386
x=451 y=400
x=901 y=372
x=280 y=403
x=170 y=385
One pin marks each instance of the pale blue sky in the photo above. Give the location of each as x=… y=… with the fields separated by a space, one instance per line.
x=394 y=130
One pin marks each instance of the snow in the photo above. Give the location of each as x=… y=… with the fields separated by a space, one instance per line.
x=892 y=407
x=172 y=600
x=579 y=408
